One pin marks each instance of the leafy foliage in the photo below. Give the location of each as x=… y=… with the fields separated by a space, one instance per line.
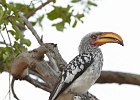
x=67 y=13
x=9 y=16
x=63 y=14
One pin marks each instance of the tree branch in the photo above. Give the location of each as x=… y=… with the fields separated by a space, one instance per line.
x=29 y=25
x=34 y=60
x=55 y=51
x=12 y=88
x=38 y=84
x=119 y=77
x=55 y=58
x=38 y=8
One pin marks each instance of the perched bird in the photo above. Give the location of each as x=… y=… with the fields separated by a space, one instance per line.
x=82 y=72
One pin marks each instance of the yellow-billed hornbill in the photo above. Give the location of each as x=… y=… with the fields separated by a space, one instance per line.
x=82 y=72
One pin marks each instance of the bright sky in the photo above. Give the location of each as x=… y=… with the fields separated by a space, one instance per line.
x=120 y=16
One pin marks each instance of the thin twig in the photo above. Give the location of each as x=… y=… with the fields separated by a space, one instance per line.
x=29 y=25
x=4 y=42
x=12 y=87
x=12 y=57
x=5 y=95
x=8 y=35
x=38 y=8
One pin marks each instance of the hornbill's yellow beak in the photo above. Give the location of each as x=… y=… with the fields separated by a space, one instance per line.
x=108 y=37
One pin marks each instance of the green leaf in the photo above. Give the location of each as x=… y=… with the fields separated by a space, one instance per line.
x=59 y=26
x=60 y=12
x=6 y=54
x=26 y=9
x=8 y=49
x=12 y=32
x=10 y=7
x=91 y=3
x=5 y=22
x=63 y=13
x=20 y=20
x=53 y=14
x=74 y=24
x=56 y=13
x=3 y=2
x=17 y=47
x=54 y=1
x=18 y=34
x=75 y=1
x=33 y=23
x=1 y=13
x=39 y=20
x=26 y=42
x=79 y=16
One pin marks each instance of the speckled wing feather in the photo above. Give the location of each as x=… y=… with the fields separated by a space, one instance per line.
x=73 y=70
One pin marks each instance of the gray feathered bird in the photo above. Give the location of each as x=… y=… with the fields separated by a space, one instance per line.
x=82 y=72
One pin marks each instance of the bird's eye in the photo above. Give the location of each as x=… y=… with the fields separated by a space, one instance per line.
x=94 y=36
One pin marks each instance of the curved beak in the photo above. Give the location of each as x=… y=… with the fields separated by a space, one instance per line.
x=108 y=37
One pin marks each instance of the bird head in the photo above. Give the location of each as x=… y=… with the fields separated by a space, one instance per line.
x=100 y=38
x=95 y=39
